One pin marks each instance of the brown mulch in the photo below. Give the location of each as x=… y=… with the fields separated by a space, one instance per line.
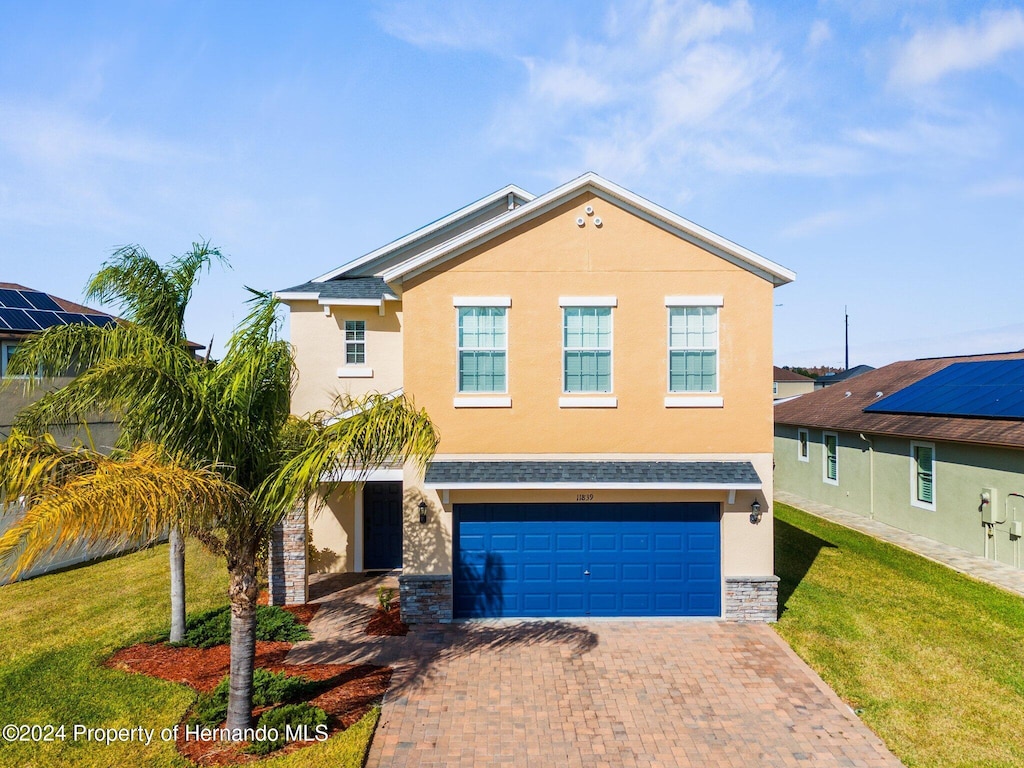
x=387 y=623
x=303 y=613
x=348 y=691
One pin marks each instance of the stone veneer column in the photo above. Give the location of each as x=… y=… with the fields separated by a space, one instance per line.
x=286 y=561
x=425 y=599
x=752 y=598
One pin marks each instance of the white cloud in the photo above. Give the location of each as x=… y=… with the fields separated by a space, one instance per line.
x=459 y=25
x=820 y=221
x=1007 y=187
x=819 y=34
x=931 y=54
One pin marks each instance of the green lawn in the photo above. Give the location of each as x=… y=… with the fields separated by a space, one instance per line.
x=56 y=630
x=934 y=661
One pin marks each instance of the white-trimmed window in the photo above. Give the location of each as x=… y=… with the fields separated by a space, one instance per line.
x=482 y=349
x=803 y=445
x=693 y=349
x=830 y=458
x=587 y=349
x=922 y=475
x=7 y=350
x=355 y=342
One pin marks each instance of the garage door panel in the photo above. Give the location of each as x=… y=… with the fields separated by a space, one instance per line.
x=533 y=559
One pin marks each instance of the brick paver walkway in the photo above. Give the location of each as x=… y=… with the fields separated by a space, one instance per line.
x=598 y=693
x=960 y=560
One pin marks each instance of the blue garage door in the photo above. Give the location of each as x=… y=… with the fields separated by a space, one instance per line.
x=587 y=560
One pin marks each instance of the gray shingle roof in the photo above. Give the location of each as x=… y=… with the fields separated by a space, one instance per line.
x=345 y=288
x=441 y=473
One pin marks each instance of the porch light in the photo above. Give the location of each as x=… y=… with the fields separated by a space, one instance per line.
x=755 y=512
x=423 y=512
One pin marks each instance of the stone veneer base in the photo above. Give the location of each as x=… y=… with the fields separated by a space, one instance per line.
x=287 y=581
x=425 y=599
x=752 y=598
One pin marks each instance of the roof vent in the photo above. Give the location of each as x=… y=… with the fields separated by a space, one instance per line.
x=878 y=393
x=849 y=393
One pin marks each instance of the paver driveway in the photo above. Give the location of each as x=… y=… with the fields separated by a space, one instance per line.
x=600 y=693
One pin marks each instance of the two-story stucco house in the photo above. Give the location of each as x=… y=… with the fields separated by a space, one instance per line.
x=597 y=368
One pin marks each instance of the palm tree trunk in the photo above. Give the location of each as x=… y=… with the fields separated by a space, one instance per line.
x=177 y=542
x=243 y=591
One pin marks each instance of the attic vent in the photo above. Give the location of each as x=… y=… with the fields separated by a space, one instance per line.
x=878 y=394
x=849 y=393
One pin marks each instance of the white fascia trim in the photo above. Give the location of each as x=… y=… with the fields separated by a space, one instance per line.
x=482 y=402
x=296 y=296
x=769 y=270
x=373 y=476
x=482 y=301
x=695 y=402
x=588 y=301
x=350 y=302
x=355 y=372
x=534 y=486
x=588 y=402
x=429 y=229
x=694 y=301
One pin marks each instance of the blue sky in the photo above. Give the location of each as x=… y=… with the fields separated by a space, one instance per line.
x=877 y=148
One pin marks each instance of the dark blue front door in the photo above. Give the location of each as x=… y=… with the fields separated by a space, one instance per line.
x=587 y=560
x=382 y=526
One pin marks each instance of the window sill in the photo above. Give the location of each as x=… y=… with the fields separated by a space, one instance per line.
x=501 y=401
x=916 y=504
x=694 y=401
x=588 y=402
x=354 y=372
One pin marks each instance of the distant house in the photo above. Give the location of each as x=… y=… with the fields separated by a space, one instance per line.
x=790 y=384
x=828 y=379
x=932 y=446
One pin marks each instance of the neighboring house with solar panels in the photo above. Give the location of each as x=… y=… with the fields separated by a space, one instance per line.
x=23 y=312
x=933 y=446
x=597 y=369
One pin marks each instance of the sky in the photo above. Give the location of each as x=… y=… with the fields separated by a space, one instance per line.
x=874 y=147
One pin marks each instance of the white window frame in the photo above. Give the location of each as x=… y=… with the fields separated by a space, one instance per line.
x=824 y=458
x=914 y=500
x=5 y=348
x=682 y=302
x=607 y=400
x=483 y=399
x=803 y=441
x=775 y=387
x=355 y=344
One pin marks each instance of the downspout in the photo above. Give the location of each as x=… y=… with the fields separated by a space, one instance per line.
x=871 y=476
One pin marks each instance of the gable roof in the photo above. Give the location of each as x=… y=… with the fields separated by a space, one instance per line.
x=606 y=190
x=782 y=374
x=467 y=217
x=834 y=378
x=842 y=407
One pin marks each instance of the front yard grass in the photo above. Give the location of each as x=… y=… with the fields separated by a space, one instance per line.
x=56 y=630
x=932 y=661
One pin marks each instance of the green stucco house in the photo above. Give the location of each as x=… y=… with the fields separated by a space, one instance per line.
x=932 y=446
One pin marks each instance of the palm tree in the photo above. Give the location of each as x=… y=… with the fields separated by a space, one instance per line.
x=232 y=421
x=153 y=300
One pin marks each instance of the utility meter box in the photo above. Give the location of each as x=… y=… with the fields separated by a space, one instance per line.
x=1016 y=528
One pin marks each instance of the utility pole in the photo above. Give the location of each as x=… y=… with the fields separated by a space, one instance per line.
x=846 y=314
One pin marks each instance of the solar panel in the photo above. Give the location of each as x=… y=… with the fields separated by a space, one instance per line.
x=18 y=320
x=990 y=389
x=41 y=301
x=10 y=299
x=45 y=319
x=100 y=321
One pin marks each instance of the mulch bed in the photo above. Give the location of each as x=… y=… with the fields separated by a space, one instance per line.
x=387 y=623
x=303 y=613
x=347 y=691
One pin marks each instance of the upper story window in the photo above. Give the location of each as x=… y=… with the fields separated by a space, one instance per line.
x=922 y=475
x=355 y=342
x=693 y=349
x=483 y=349
x=830 y=457
x=587 y=349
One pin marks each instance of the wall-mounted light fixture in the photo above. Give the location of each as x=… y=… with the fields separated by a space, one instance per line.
x=423 y=512
x=755 y=512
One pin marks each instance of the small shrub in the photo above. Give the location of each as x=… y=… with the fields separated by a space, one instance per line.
x=267 y=688
x=385 y=597
x=214 y=627
x=279 y=718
